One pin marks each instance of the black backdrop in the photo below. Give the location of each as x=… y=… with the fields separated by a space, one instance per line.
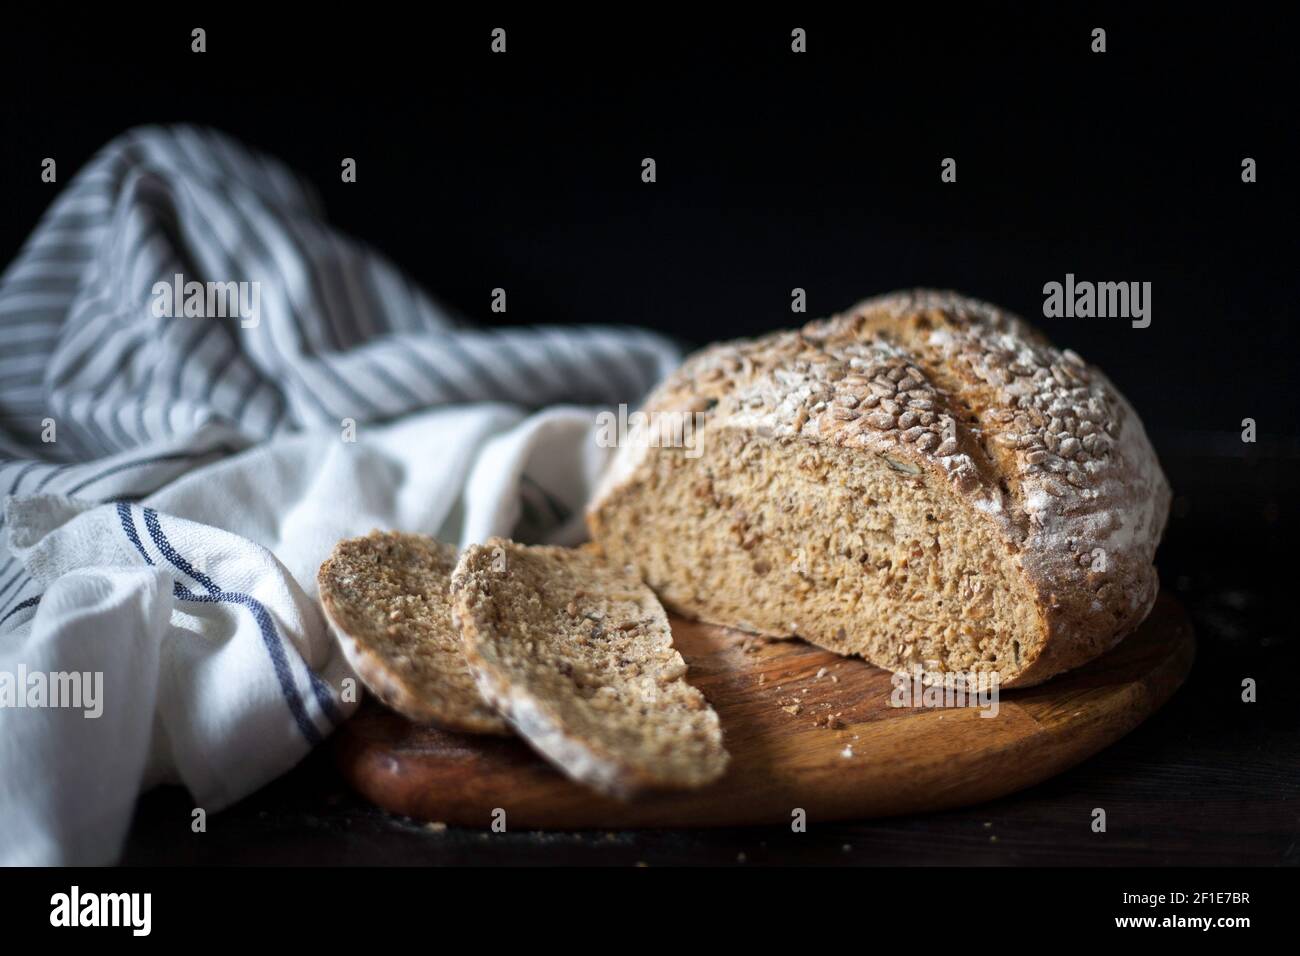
x=775 y=170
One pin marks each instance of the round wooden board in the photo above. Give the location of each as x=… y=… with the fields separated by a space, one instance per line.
x=880 y=760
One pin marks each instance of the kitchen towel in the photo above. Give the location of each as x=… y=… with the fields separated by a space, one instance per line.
x=175 y=479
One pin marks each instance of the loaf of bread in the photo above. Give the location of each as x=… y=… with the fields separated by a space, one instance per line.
x=387 y=599
x=923 y=480
x=579 y=657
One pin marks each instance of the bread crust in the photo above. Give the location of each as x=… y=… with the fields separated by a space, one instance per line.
x=1035 y=441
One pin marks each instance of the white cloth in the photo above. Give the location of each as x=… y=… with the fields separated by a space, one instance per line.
x=198 y=606
x=177 y=475
x=104 y=394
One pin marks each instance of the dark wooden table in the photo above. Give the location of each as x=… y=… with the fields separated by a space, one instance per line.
x=1209 y=780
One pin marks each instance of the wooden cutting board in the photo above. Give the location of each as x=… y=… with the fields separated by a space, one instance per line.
x=774 y=699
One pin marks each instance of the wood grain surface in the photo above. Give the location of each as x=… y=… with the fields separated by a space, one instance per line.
x=806 y=729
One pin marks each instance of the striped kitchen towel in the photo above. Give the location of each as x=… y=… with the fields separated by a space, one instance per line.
x=102 y=397
x=202 y=387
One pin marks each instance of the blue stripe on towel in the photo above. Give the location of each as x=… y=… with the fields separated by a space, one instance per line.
x=265 y=623
x=320 y=689
x=30 y=602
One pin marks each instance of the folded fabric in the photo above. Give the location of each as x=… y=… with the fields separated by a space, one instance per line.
x=90 y=370
x=177 y=480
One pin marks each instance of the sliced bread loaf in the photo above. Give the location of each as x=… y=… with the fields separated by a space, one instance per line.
x=923 y=480
x=578 y=655
x=386 y=599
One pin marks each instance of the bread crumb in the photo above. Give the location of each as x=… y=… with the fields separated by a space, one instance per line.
x=847 y=752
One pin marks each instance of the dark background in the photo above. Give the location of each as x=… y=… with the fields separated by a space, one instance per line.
x=821 y=171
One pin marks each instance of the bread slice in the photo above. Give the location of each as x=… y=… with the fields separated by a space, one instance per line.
x=578 y=655
x=923 y=480
x=386 y=598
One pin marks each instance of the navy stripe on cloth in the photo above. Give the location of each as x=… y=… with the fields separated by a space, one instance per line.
x=265 y=622
x=21 y=606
